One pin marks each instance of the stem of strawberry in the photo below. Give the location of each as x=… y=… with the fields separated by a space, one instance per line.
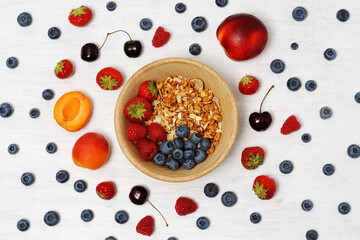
x=158 y=212
x=107 y=35
x=265 y=96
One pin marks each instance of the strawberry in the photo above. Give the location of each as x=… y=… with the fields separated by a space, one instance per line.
x=64 y=69
x=81 y=16
x=290 y=125
x=148 y=90
x=147 y=149
x=109 y=78
x=106 y=190
x=252 y=157
x=156 y=133
x=160 y=38
x=146 y=226
x=137 y=110
x=185 y=206
x=248 y=85
x=136 y=132
x=264 y=187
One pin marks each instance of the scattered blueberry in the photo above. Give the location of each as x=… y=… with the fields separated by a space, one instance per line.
x=277 y=66
x=200 y=156
x=199 y=24
x=189 y=145
x=205 y=144
x=12 y=62
x=51 y=218
x=202 y=223
x=87 y=215
x=51 y=148
x=27 y=178
x=34 y=113
x=293 y=84
x=47 y=94
x=13 y=148
x=6 y=110
x=357 y=97
x=177 y=154
x=172 y=238
x=328 y=169
x=195 y=138
x=255 y=217
x=145 y=24
x=299 y=14
x=311 y=235
x=306 y=137
x=110 y=238
x=121 y=217
x=62 y=176
x=166 y=147
x=24 y=19
x=310 y=85
x=286 y=167
x=189 y=164
x=211 y=190
x=54 y=33
x=325 y=112
x=23 y=225
x=189 y=154
x=80 y=186
x=307 y=205
x=178 y=143
x=342 y=15
x=160 y=159
x=172 y=164
x=344 y=208
x=228 y=199
x=180 y=7
x=182 y=131
x=111 y=6
x=294 y=46
x=195 y=49
x=353 y=151
x=221 y=3
x=330 y=54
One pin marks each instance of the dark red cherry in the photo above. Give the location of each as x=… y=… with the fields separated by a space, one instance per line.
x=132 y=48
x=89 y=52
x=260 y=121
x=138 y=195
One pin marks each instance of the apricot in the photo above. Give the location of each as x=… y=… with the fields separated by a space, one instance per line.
x=91 y=151
x=72 y=111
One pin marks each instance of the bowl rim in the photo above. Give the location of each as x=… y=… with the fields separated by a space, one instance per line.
x=118 y=111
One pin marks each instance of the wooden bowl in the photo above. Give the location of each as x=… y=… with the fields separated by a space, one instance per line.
x=159 y=71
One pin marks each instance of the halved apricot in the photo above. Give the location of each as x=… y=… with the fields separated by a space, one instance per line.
x=72 y=111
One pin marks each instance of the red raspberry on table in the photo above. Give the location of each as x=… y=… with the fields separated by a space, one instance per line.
x=290 y=125
x=185 y=206
x=146 y=226
x=160 y=38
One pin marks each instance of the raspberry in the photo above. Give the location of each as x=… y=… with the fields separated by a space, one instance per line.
x=290 y=125
x=185 y=206
x=146 y=226
x=160 y=38
x=156 y=133
x=147 y=149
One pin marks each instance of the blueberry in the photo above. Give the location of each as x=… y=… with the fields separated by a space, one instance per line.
x=293 y=84
x=277 y=66
x=178 y=143
x=182 y=131
x=110 y=238
x=189 y=164
x=294 y=46
x=34 y=113
x=62 y=176
x=87 y=215
x=342 y=15
x=27 y=178
x=145 y=24
x=344 y=208
x=330 y=54
x=306 y=137
x=199 y=24
x=357 y=97
x=121 y=217
x=172 y=238
x=172 y=164
x=310 y=85
x=166 y=147
x=23 y=225
x=24 y=19
x=189 y=145
x=189 y=154
x=195 y=49
x=111 y=6
x=325 y=112
x=180 y=7
x=307 y=205
x=353 y=151
x=299 y=14
x=80 y=186
x=228 y=199
x=200 y=156
x=47 y=94
x=178 y=154
x=51 y=218
x=202 y=223
x=12 y=62
x=54 y=33
x=205 y=144
x=160 y=159
x=255 y=217
x=13 y=148
x=311 y=235
x=195 y=138
x=51 y=148
x=211 y=190
x=221 y=3
x=328 y=169
x=6 y=110
x=286 y=167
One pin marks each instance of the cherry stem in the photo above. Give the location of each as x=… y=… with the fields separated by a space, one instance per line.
x=107 y=35
x=265 y=96
x=158 y=212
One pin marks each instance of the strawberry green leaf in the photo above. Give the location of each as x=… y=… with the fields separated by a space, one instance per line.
x=152 y=88
x=78 y=11
x=137 y=110
x=107 y=82
x=259 y=190
x=59 y=67
x=102 y=195
x=246 y=80
x=255 y=161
